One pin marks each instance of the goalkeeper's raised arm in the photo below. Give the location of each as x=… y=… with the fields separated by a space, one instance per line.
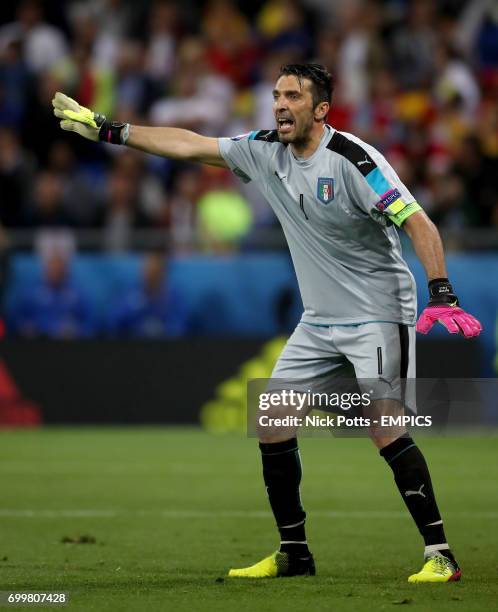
x=174 y=143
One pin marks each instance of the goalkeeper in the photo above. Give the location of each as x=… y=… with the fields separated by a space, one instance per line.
x=339 y=202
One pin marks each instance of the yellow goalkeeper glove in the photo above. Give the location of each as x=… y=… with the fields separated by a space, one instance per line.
x=86 y=123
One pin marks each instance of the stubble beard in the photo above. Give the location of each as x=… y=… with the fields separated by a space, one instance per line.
x=302 y=137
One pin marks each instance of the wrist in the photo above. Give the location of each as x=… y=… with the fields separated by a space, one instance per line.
x=113 y=131
x=441 y=292
x=125 y=132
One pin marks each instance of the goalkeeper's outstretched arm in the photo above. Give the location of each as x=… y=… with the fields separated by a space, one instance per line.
x=174 y=143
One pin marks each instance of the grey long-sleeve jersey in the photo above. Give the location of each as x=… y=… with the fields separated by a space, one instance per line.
x=338 y=210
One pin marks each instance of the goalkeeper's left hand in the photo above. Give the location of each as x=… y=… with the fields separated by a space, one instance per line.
x=86 y=123
x=443 y=307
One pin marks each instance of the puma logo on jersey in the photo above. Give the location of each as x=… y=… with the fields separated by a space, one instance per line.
x=419 y=492
x=363 y=162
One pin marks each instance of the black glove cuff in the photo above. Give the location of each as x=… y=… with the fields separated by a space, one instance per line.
x=110 y=131
x=441 y=292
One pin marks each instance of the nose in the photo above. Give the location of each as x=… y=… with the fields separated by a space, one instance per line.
x=282 y=104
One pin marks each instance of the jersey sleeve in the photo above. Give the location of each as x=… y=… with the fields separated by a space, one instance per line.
x=248 y=155
x=378 y=191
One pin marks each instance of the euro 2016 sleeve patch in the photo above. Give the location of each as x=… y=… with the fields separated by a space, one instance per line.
x=395 y=208
x=325 y=190
x=390 y=202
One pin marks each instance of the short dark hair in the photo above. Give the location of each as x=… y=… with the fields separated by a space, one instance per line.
x=321 y=80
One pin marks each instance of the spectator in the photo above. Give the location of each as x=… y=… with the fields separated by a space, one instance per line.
x=414 y=46
x=162 y=41
x=15 y=81
x=121 y=212
x=132 y=87
x=39 y=130
x=55 y=307
x=262 y=92
x=283 y=24
x=376 y=118
x=78 y=198
x=47 y=207
x=201 y=100
x=152 y=310
x=150 y=196
x=361 y=52
x=454 y=80
x=448 y=197
x=478 y=32
x=101 y=25
x=16 y=175
x=91 y=81
x=230 y=52
x=479 y=174
x=43 y=45
x=181 y=212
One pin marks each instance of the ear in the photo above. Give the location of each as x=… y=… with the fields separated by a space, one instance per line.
x=321 y=111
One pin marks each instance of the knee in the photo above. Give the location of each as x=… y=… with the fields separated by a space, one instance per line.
x=271 y=426
x=382 y=438
x=272 y=435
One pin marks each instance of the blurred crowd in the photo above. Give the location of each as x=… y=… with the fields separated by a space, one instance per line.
x=57 y=305
x=417 y=79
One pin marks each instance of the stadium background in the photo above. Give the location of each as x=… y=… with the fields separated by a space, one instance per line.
x=103 y=247
x=139 y=291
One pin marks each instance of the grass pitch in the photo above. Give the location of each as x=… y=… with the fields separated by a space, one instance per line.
x=170 y=510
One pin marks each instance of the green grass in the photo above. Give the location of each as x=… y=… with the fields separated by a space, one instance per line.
x=171 y=510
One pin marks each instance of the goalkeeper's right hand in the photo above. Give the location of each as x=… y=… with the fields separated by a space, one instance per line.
x=86 y=123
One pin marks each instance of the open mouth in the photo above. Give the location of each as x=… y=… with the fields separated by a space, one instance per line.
x=285 y=125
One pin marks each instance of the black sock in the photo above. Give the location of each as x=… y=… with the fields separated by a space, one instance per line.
x=282 y=475
x=411 y=474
